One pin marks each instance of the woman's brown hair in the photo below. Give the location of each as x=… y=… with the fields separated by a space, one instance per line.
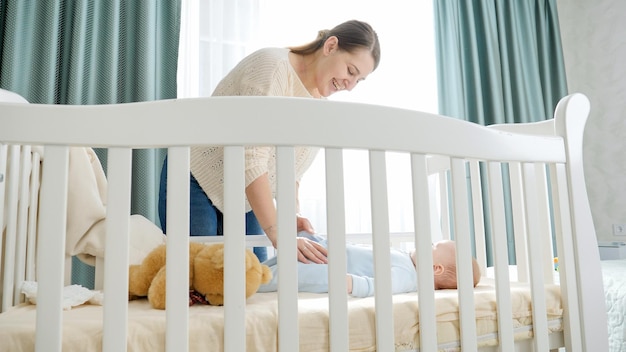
x=352 y=35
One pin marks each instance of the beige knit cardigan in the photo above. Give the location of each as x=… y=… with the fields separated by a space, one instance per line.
x=266 y=72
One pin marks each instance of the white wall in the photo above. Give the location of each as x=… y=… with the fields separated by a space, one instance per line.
x=594 y=46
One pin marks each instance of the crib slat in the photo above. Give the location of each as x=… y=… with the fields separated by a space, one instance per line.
x=12 y=183
x=382 y=261
x=445 y=210
x=500 y=257
x=52 y=229
x=424 y=257
x=288 y=327
x=437 y=167
x=478 y=214
x=3 y=180
x=467 y=315
x=531 y=177
x=3 y=183
x=565 y=250
x=544 y=223
x=22 y=221
x=336 y=223
x=234 y=246
x=33 y=211
x=177 y=255
x=117 y=222
x=519 y=224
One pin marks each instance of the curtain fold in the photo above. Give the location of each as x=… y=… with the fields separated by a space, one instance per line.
x=499 y=61
x=94 y=52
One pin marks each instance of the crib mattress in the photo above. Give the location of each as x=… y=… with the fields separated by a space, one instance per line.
x=614 y=276
x=146 y=326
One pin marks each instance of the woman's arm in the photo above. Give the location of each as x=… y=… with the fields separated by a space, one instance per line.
x=260 y=198
x=302 y=223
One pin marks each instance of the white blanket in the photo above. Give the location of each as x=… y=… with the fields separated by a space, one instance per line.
x=614 y=275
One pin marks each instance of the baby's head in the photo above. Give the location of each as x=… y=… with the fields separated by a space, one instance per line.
x=444 y=265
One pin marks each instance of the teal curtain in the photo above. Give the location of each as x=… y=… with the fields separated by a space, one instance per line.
x=95 y=52
x=499 y=61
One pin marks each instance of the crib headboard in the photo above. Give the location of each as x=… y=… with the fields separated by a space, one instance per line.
x=522 y=183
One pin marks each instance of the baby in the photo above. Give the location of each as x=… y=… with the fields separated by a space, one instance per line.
x=360 y=270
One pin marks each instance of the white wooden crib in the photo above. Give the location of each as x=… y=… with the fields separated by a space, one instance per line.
x=548 y=199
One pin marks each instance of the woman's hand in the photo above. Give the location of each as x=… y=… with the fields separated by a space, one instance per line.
x=311 y=251
x=303 y=224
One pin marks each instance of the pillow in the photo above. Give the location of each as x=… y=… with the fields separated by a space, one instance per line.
x=144 y=236
x=86 y=228
x=11 y=97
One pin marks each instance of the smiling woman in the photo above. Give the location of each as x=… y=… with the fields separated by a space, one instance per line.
x=224 y=32
x=336 y=60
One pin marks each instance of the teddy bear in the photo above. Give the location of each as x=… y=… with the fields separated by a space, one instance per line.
x=206 y=274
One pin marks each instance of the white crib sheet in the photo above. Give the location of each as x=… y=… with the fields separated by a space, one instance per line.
x=82 y=325
x=614 y=276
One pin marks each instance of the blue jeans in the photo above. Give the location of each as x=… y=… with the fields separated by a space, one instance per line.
x=204 y=218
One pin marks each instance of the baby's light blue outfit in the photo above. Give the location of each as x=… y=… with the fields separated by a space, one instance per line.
x=360 y=264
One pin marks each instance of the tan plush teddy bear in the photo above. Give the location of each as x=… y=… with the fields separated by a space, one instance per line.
x=206 y=274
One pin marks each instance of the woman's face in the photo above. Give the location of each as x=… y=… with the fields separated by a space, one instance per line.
x=341 y=70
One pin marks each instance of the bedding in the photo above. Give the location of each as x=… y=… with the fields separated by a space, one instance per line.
x=614 y=276
x=83 y=324
x=614 y=280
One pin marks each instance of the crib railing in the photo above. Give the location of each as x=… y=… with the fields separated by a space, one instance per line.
x=19 y=192
x=544 y=183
